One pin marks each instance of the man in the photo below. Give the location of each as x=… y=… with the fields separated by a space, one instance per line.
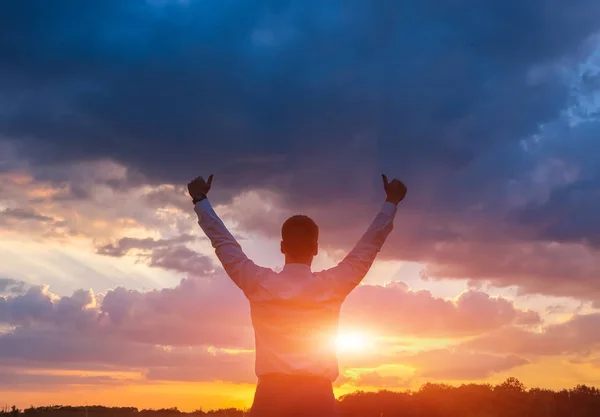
x=295 y=312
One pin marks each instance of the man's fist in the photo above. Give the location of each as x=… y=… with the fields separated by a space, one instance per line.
x=395 y=190
x=198 y=186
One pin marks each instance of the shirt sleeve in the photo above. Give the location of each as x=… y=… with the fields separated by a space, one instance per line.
x=353 y=268
x=242 y=271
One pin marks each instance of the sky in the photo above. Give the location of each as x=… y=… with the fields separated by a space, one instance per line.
x=489 y=112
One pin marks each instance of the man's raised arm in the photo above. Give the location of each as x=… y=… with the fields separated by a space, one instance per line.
x=353 y=268
x=244 y=273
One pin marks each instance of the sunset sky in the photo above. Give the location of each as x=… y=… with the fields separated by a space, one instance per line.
x=488 y=110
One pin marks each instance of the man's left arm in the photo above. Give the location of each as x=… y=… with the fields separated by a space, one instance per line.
x=352 y=269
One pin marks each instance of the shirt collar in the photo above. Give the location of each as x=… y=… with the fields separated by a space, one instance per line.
x=296 y=267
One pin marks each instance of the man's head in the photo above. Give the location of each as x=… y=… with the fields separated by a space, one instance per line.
x=299 y=239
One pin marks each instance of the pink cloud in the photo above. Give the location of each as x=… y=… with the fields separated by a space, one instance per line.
x=535 y=267
x=164 y=331
x=30 y=381
x=197 y=312
x=579 y=334
x=28 y=348
x=218 y=366
x=444 y=364
x=210 y=312
x=459 y=364
x=395 y=309
x=374 y=379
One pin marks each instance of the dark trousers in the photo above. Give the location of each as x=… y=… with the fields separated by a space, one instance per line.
x=279 y=395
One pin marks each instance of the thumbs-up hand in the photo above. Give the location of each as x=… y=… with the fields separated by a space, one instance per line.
x=199 y=186
x=394 y=190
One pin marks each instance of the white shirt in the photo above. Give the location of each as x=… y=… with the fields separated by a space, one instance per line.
x=295 y=312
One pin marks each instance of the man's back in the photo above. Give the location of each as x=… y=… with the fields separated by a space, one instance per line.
x=295 y=318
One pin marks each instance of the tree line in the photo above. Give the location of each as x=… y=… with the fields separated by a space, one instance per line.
x=509 y=399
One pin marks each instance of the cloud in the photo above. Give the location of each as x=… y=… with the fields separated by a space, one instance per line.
x=210 y=312
x=573 y=336
x=168 y=196
x=160 y=332
x=459 y=365
x=27 y=221
x=437 y=364
x=374 y=379
x=24 y=214
x=36 y=304
x=217 y=366
x=464 y=89
x=535 y=267
x=395 y=309
x=199 y=322
x=174 y=316
x=15 y=381
x=200 y=331
x=171 y=254
x=8 y=285
x=566 y=215
x=126 y=244
x=181 y=259
x=101 y=213
x=31 y=347
x=196 y=312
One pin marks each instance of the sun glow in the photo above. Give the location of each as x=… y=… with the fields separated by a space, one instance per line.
x=351 y=342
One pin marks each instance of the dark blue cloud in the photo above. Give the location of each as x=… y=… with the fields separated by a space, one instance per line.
x=171 y=87
x=568 y=213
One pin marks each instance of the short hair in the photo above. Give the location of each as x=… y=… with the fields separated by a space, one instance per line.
x=299 y=234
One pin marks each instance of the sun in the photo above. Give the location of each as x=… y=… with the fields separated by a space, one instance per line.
x=351 y=342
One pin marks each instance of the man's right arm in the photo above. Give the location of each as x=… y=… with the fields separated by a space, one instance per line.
x=242 y=271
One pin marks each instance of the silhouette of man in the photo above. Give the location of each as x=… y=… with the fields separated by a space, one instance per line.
x=295 y=312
